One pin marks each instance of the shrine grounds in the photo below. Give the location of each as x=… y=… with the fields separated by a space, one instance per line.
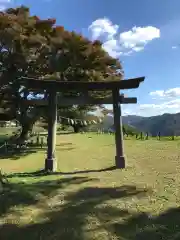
x=88 y=198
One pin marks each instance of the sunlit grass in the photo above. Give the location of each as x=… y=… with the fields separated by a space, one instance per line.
x=87 y=199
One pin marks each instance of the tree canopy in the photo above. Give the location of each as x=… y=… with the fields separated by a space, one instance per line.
x=32 y=47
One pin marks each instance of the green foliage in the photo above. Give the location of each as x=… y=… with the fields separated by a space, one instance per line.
x=130 y=130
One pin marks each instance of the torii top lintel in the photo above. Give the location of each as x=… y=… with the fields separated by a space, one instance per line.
x=39 y=84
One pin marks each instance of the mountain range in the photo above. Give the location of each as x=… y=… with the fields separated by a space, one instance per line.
x=166 y=124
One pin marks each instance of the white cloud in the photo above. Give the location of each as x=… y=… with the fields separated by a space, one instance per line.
x=152 y=109
x=124 y=43
x=138 y=37
x=170 y=103
x=4 y=4
x=164 y=106
x=169 y=93
x=2 y=7
x=111 y=46
x=175 y=47
x=103 y=27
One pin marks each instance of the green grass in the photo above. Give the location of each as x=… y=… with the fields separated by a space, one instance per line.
x=87 y=199
x=5 y=133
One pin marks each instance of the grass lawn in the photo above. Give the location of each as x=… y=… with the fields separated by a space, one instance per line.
x=5 y=133
x=87 y=199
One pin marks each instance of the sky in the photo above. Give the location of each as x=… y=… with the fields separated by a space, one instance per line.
x=143 y=34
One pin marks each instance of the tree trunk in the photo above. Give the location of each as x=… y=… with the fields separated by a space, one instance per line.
x=26 y=131
x=76 y=128
x=27 y=127
x=27 y=123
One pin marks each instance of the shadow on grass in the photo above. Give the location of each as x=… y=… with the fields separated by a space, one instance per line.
x=41 y=173
x=86 y=215
x=65 y=133
x=144 y=226
x=15 y=154
x=69 y=221
x=64 y=144
x=89 y=171
x=28 y=193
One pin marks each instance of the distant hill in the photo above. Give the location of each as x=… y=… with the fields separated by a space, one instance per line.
x=108 y=124
x=131 y=119
x=167 y=124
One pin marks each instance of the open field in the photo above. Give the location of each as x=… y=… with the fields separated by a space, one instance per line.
x=88 y=198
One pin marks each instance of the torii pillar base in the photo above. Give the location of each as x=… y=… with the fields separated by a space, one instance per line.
x=120 y=162
x=51 y=165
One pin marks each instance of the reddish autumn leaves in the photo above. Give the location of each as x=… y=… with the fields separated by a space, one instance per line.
x=47 y=49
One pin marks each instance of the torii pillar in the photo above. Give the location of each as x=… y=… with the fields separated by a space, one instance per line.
x=119 y=158
x=51 y=161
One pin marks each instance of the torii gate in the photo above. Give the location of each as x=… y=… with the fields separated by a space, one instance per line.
x=54 y=86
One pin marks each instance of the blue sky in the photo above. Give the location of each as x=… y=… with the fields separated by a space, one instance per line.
x=143 y=34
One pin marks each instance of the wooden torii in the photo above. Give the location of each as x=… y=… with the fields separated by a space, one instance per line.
x=54 y=86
